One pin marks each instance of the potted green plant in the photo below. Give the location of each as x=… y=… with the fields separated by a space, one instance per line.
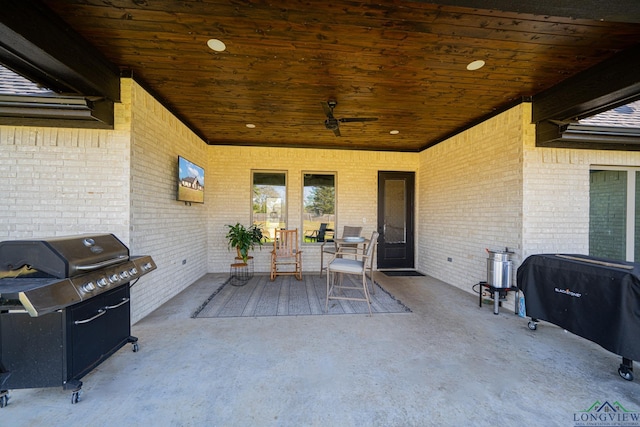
x=244 y=238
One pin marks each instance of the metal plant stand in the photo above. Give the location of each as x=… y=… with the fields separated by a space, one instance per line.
x=241 y=272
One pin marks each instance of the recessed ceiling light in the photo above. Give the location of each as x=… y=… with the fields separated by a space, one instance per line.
x=217 y=45
x=250 y=125
x=475 y=65
x=394 y=132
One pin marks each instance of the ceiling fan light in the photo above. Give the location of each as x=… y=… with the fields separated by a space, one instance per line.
x=216 y=45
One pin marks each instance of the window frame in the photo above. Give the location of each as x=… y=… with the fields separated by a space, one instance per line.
x=266 y=225
x=630 y=232
x=304 y=173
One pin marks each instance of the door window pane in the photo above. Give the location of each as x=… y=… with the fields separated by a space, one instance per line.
x=608 y=214
x=319 y=207
x=395 y=228
x=269 y=201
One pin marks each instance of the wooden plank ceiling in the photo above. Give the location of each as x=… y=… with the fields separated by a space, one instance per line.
x=403 y=62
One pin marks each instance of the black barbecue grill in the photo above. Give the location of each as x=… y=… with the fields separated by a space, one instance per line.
x=64 y=308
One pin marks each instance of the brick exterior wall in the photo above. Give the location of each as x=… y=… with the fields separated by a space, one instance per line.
x=57 y=182
x=491 y=187
x=488 y=187
x=228 y=192
x=556 y=195
x=122 y=181
x=170 y=231
x=470 y=200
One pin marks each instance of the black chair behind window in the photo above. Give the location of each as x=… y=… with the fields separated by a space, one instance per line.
x=322 y=234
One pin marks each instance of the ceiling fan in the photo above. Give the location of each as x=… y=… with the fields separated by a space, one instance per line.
x=333 y=124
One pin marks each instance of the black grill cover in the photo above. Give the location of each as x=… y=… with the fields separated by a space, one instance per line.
x=595 y=298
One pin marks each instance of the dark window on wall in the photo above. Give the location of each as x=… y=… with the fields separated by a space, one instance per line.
x=269 y=201
x=318 y=207
x=614 y=213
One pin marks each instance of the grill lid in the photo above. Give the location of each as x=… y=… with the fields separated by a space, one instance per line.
x=61 y=257
x=46 y=275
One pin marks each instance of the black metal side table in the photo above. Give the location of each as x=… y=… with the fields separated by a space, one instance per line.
x=241 y=272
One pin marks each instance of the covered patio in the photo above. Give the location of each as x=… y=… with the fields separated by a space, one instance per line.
x=448 y=362
x=498 y=167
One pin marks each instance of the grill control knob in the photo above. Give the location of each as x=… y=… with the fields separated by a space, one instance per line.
x=124 y=275
x=89 y=287
x=114 y=278
x=146 y=266
x=102 y=282
x=133 y=271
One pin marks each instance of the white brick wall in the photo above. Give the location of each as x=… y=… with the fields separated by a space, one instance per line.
x=556 y=195
x=491 y=187
x=58 y=182
x=228 y=192
x=123 y=181
x=470 y=199
x=487 y=187
x=71 y=181
x=171 y=231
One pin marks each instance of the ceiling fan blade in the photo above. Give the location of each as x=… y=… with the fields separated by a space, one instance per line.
x=358 y=119
x=327 y=110
x=332 y=123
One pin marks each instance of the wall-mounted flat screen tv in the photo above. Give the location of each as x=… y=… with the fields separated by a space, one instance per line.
x=190 y=181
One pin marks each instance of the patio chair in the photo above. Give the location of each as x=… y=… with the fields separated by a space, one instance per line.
x=286 y=256
x=331 y=247
x=320 y=235
x=325 y=234
x=350 y=261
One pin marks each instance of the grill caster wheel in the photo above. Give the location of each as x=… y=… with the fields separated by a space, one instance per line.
x=532 y=325
x=625 y=373
x=75 y=397
x=626 y=369
x=4 y=399
x=134 y=343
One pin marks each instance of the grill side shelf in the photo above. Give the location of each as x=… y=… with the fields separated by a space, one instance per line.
x=39 y=296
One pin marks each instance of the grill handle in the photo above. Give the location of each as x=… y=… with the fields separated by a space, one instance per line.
x=101 y=312
x=102 y=264
x=91 y=319
x=111 y=307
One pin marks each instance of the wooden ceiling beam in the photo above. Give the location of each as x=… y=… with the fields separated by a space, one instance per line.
x=598 y=10
x=36 y=43
x=607 y=85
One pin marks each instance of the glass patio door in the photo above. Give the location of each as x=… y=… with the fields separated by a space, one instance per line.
x=395 y=219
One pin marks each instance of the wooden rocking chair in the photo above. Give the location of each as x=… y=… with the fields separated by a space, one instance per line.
x=286 y=256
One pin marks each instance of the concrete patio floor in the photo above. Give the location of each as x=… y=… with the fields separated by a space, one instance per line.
x=448 y=363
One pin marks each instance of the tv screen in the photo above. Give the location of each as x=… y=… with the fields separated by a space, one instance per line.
x=190 y=181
